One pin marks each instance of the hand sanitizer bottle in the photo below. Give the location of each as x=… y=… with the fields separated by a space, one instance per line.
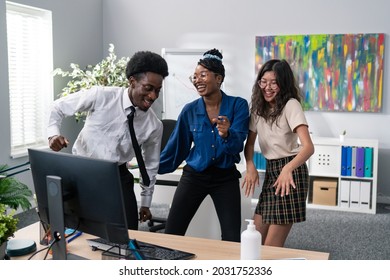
x=250 y=242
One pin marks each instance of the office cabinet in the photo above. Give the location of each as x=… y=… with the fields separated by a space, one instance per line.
x=353 y=163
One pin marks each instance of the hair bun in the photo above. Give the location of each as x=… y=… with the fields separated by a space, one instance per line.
x=212 y=60
x=213 y=54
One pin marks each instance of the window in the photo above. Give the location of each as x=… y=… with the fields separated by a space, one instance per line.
x=30 y=64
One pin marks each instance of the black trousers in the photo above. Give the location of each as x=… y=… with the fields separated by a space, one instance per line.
x=129 y=198
x=224 y=188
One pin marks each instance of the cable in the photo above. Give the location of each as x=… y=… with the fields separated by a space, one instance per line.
x=12 y=168
x=74 y=231
x=47 y=247
x=57 y=237
x=36 y=252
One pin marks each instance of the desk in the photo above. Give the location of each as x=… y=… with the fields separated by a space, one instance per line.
x=205 y=223
x=205 y=249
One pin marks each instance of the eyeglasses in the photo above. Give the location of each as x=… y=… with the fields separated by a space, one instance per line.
x=264 y=83
x=202 y=75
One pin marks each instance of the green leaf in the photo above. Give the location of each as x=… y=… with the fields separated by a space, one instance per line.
x=7 y=224
x=108 y=72
x=14 y=193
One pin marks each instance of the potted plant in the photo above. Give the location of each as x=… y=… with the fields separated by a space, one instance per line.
x=7 y=228
x=13 y=194
x=109 y=72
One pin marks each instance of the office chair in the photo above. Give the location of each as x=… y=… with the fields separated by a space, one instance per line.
x=168 y=126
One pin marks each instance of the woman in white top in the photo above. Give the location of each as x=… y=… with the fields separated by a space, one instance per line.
x=277 y=120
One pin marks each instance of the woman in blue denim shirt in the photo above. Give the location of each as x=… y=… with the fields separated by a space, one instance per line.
x=209 y=136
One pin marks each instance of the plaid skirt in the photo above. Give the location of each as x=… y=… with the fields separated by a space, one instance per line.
x=289 y=208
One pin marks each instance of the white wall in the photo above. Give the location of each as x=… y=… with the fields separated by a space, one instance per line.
x=232 y=26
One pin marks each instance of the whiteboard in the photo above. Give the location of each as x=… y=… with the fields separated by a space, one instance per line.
x=177 y=88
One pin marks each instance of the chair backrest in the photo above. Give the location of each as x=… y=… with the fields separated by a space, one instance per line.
x=168 y=125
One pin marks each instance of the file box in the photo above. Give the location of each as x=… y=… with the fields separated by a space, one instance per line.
x=324 y=192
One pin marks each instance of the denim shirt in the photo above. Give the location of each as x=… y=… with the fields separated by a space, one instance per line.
x=197 y=141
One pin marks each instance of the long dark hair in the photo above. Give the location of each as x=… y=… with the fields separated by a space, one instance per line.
x=287 y=85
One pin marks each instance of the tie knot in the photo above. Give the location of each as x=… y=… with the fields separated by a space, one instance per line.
x=132 y=109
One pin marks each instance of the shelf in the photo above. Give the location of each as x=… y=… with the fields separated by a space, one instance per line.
x=338 y=208
x=359 y=194
x=326 y=165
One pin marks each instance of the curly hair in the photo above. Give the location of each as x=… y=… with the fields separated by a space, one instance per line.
x=287 y=85
x=212 y=60
x=146 y=61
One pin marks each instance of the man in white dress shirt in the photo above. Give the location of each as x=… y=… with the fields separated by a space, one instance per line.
x=106 y=135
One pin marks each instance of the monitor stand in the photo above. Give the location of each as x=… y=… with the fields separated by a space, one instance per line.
x=56 y=216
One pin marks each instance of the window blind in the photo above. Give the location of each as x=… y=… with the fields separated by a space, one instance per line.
x=30 y=62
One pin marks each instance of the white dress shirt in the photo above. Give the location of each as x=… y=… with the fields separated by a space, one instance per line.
x=106 y=134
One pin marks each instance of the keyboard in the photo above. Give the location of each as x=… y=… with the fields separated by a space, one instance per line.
x=148 y=250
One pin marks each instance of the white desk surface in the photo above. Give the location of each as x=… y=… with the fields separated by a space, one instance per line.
x=205 y=249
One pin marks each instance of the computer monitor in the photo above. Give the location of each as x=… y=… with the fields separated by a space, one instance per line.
x=80 y=193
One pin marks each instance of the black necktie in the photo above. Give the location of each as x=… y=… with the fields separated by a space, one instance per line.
x=137 y=149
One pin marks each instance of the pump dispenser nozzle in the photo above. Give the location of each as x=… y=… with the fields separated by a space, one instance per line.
x=251 y=223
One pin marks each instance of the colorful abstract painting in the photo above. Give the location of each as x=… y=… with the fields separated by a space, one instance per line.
x=336 y=72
